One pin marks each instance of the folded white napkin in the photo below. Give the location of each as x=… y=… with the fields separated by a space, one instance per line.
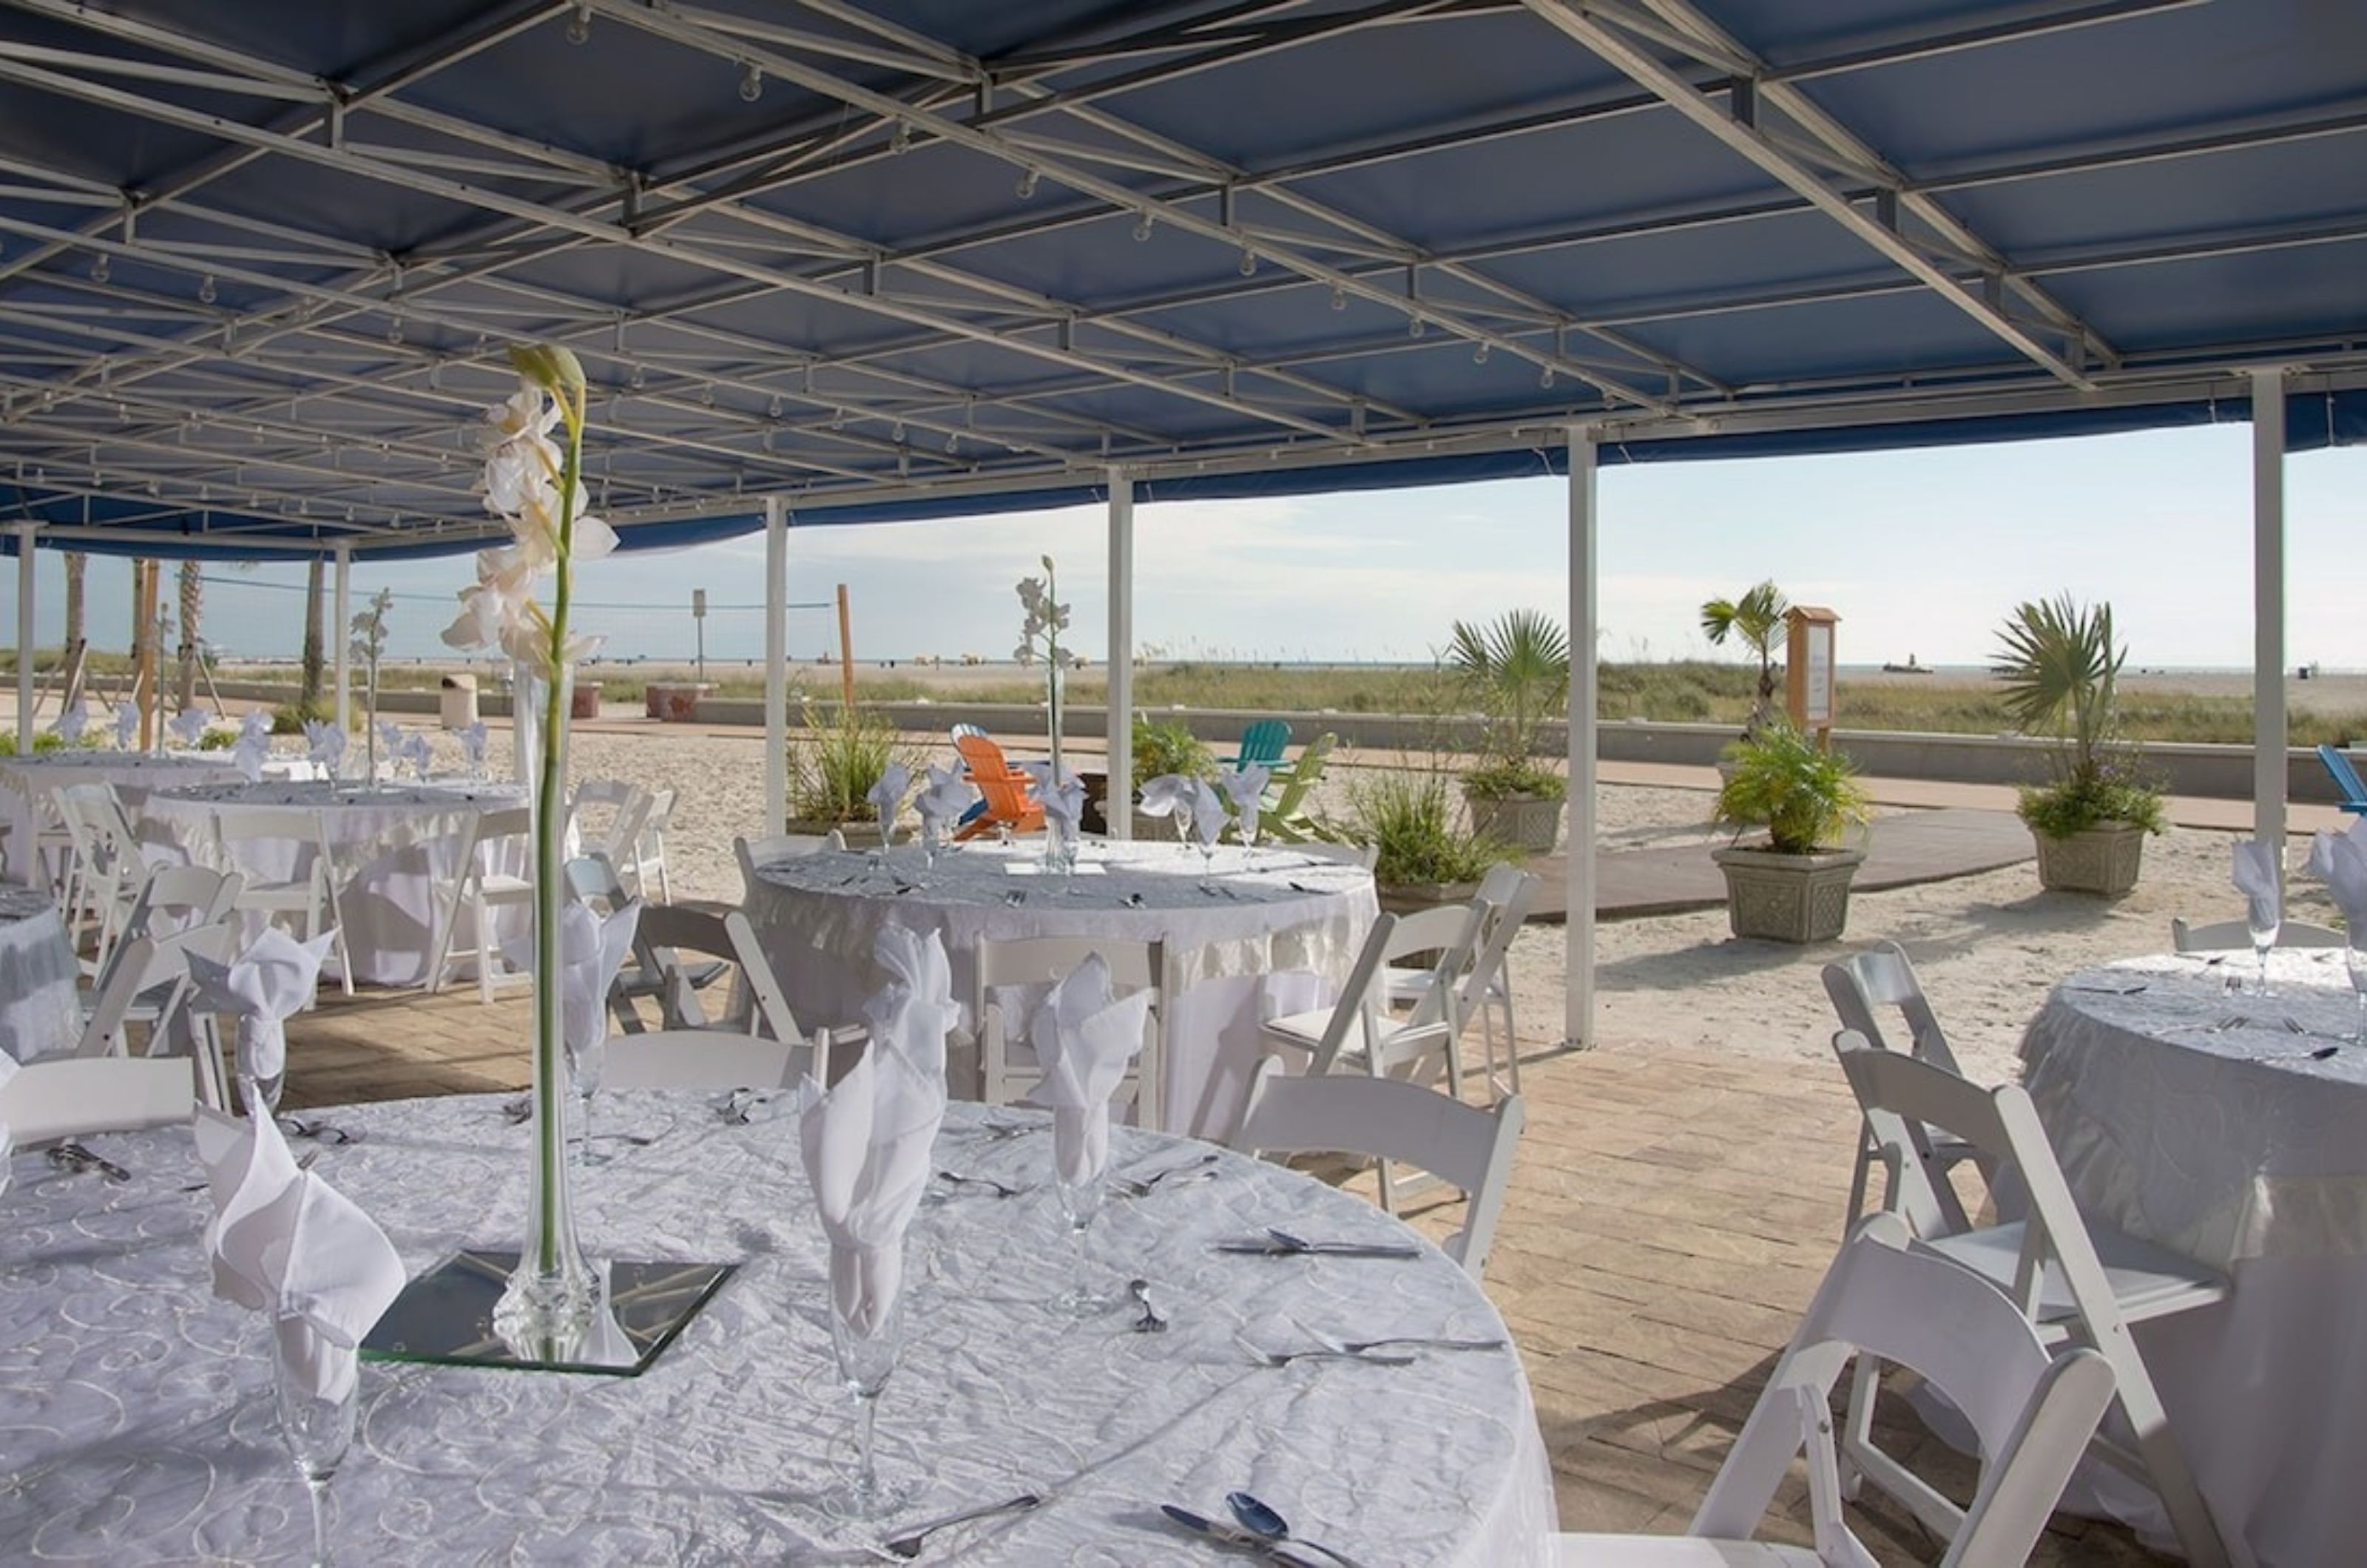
x=472 y=745
x=271 y=980
x=188 y=725
x=943 y=798
x=592 y=949
x=1245 y=787
x=1083 y=1042
x=390 y=741
x=2256 y=878
x=886 y=797
x=255 y=726
x=1209 y=811
x=8 y=1140
x=420 y=753
x=2340 y=862
x=71 y=724
x=868 y=1143
x=254 y=746
x=324 y=744
x=285 y=1242
x=126 y=727
x=1063 y=801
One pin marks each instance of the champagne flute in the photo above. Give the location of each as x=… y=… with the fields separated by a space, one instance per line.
x=2262 y=916
x=317 y=1431
x=583 y=1065
x=868 y=1353
x=2354 y=959
x=1081 y=1201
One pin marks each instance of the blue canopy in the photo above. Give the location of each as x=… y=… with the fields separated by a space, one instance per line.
x=904 y=258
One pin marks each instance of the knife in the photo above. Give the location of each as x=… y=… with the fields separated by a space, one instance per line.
x=1320 y=1249
x=1239 y=1540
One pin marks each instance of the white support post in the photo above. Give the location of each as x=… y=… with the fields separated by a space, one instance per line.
x=776 y=663
x=2269 y=782
x=1117 y=808
x=341 y=633
x=1578 y=1021
x=25 y=641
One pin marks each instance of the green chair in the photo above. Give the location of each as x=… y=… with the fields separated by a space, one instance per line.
x=1261 y=744
x=1284 y=820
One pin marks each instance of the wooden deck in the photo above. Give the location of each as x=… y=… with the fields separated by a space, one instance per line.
x=1669 y=1217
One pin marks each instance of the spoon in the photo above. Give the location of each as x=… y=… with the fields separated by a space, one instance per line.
x=1000 y=1189
x=909 y=1544
x=1259 y=1519
x=1149 y=1322
x=1142 y=1186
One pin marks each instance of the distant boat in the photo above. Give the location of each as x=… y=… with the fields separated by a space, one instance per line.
x=1910 y=667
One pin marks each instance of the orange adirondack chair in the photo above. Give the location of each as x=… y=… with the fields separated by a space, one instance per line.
x=1004 y=787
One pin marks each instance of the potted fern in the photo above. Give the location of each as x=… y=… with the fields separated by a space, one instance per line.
x=1794 y=885
x=2061 y=668
x=1518 y=668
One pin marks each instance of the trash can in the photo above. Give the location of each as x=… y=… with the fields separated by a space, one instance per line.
x=459 y=701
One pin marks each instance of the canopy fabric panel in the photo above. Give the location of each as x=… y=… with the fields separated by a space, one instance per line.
x=904 y=258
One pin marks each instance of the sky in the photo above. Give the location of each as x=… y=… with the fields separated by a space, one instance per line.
x=1919 y=552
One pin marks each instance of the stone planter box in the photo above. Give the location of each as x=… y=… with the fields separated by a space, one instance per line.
x=1530 y=826
x=1414 y=897
x=2104 y=860
x=675 y=702
x=587 y=700
x=859 y=835
x=1779 y=897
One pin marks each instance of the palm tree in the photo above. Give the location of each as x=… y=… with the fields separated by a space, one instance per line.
x=1757 y=619
x=193 y=594
x=1519 y=664
x=2059 y=668
x=77 y=566
x=307 y=700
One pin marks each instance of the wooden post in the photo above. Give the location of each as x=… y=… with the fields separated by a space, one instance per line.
x=144 y=581
x=1809 y=670
x=845 y=658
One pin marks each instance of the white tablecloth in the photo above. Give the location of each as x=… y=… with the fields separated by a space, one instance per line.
x=2237 y=1148
x=39 y=1010
x=1279 y=935
x=137 y=1413
x=393 y=846
x=26 y=783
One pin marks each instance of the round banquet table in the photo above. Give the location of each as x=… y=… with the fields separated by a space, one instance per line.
x=138 y=1414
x=2239 y=1148
x=1279 y=935
x=397 y=849
x=39 y=1011
x=26 y=783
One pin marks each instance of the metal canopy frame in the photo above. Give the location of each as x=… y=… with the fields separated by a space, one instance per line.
x=873 y=259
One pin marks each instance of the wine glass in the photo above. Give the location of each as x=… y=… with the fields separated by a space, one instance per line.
x=583 y=1065
x=865 y=1360
x=317 y=1431
x=2262 y=916
x=1081 y=1200
x=2354 y=958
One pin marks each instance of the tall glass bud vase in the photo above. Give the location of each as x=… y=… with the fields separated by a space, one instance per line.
x=550 y=1298
x=1053 y=847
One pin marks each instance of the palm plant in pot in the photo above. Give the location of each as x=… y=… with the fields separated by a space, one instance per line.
x=1794 y=885
x=1518 y=668
x=1755 y=620
x=2061 y=667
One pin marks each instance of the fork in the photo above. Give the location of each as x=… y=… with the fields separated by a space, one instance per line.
x=1000 y=1189
x=909 y=1544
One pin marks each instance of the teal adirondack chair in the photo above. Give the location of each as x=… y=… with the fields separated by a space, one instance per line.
x=1263 y=744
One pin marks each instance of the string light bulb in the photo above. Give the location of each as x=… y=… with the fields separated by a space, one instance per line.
x=1545 y=377
x=752 y=86
x=1415 y=326
x=638 y=379
x=1141 y=227
x=579 y=26
x=1027 y=179
x=1249 y=262
x=1339 y=297
x=900 y=140
x=206 y=290
x=1480 y=354
x=99 y=269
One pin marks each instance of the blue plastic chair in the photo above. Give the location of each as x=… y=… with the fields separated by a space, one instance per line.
x=1263 y=744
x=2346 y=779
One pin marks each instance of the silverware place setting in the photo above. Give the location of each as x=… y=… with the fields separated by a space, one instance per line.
x=1261 y=1519
x=909 y=1544
x=1283 y=1244
x=987 y=1183
x=1234 y=1536
x=74 y=1157
x=1201 y=1169
x=1265 y=1357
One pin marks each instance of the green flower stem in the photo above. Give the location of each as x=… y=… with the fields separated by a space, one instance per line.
x=550 y=1121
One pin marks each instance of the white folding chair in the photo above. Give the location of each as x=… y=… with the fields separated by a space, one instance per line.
x=606 y=818
x=765 y=850
x=2079 y=1282
x=649 y=852
x=1484 y=987
x=698 y=1059
x=480 y=885
x=252 y=836
x=1859 y=988
x=668 y=941
x=1390 y=1119
x=2236 y=936
x=175 y=898
x=1026 y=966
x=107 y=870
x=149 y=986
x=44 y=1102
x=2035 y=1414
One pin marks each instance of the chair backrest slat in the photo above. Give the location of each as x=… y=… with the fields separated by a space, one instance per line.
x=704 y=1059
x=73 y=1097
